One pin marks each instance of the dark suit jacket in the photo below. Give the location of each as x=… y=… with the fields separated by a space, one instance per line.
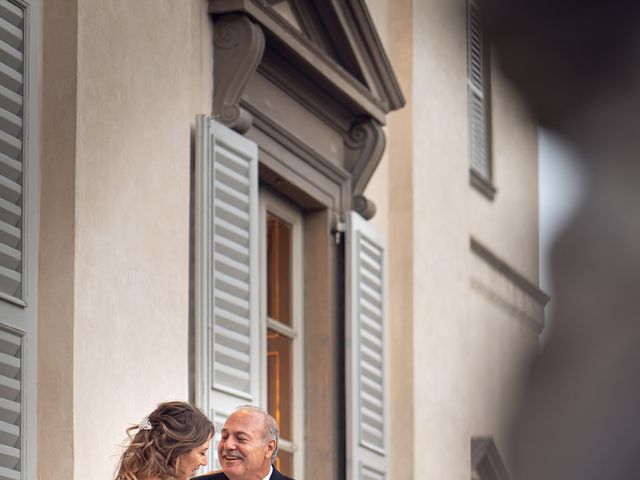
x=276 y=475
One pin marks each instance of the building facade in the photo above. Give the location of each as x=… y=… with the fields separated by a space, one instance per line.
x=325 y=208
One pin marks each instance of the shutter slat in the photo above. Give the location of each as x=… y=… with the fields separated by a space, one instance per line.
x=231 y=267
x=234 y=197
x=373 y=310
x=238 y=251
x=7 y=474
x=231 y=338
x=371 y=295
x=11 y=79
x=9 y=343
x=10 y=100
x=373 y=417
x=9 y=410
x=228 y=229
x=370 y=474
x=10 y=168
x=232 y=285
x=9 y=235
x=10 y=190
x=10 y=145
x=10 y=281
x=11 y=13
x=231 y=213
x=9 y=433
x=234 y=159
x=234 y=356
x=10 y=213
x=372 y=401
x=9 y=457
x=230 y=176
x=372 y=356
x=370 y=279
x=10 y=33
x=10 y=123
x=228 y=317
x=237 y=305
x=10 y=56
x=10 y=258
x=9 y=388
x=371 y=323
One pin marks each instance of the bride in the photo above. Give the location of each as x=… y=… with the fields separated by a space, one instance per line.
x=171 y=443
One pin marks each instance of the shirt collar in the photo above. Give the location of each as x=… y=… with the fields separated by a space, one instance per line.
x=269 y=474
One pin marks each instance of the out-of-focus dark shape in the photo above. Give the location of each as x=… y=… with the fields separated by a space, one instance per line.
x=577 y=65
x=563 y=54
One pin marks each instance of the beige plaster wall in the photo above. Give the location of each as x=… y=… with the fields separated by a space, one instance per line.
x=440 y=240
x=119 y=120
x=466 y=326
x=505 y=224
x=391 y=188
x=144 y=71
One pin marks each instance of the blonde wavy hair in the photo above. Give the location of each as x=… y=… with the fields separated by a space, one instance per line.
x=176 y=428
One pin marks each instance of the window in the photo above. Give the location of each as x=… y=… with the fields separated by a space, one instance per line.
x=282 y=322
x=18 y=236
x=478 y=92
x=249 y=292
x=249 y=308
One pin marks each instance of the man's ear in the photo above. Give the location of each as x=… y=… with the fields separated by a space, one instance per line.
x=271 y=446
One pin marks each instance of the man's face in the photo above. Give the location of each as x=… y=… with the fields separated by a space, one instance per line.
x=242 y=451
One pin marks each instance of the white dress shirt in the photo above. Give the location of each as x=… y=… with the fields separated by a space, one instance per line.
x=269 y=474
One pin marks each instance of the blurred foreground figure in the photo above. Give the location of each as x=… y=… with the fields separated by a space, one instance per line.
x=577 y=65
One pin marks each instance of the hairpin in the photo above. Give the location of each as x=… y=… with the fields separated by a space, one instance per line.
x=145 y=424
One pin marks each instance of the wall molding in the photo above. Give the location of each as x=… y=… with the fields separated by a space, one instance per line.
x=330 y=179
x=509 y=272
x=486 y=461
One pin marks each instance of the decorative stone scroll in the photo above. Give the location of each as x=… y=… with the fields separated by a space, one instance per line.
x=365 y=145
x=238 y=48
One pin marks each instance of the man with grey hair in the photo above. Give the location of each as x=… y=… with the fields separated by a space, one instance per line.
x=248 y=447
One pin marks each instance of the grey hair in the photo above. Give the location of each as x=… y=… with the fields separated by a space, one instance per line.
x=270 y=427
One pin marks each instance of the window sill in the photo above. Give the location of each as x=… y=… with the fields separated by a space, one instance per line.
x=482 y=184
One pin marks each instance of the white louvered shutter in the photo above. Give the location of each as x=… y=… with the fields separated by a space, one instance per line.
x=227 y=302
x=11 y=150
x=366 y=352
x=476 y=82
x=10 y=400
x=18 y=237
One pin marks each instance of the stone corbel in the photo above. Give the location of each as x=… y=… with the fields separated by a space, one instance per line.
x=238 y=48
x=365 y=145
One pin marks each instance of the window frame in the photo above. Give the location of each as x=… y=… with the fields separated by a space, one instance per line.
x=286 y=211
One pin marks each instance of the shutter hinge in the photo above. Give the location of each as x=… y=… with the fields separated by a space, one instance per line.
x=339 y=228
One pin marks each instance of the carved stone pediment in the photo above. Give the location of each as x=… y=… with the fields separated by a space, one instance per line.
x=335 y=42
x=326 y=56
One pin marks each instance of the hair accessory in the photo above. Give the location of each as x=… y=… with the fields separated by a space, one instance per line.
x=145 y=424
